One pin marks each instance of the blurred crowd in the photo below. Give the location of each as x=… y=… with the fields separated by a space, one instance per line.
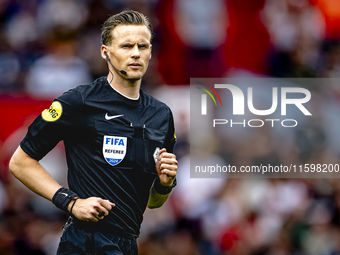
x=50 y=46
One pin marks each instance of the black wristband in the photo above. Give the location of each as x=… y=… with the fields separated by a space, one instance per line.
x=75 y=200
x=161 y=189
x=63 y=197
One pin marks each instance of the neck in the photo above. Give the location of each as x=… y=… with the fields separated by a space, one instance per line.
x=129 y=88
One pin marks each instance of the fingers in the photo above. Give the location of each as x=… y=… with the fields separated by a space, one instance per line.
x=162 y=151
x=169 y=161
x=169 y=169
x=168 y=164
x=107 y=204
x=169 y=173
x=167 y=158
x=164 y=154
x=92 y=209
x=102 y=208
x=161 y=154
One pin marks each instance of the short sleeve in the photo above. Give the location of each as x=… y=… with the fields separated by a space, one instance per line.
x=170 y=139
x=53 y=125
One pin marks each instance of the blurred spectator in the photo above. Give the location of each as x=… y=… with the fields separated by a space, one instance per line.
x=9 y=70
x=296 y=30
x=69 y=15
x=21 y=29
x=192 y=33
x=58 y=71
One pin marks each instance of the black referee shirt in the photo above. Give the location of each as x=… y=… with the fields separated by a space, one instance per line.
x=111 y=145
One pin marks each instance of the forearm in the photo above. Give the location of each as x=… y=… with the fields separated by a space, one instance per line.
x=156 y=200
x=32 y=174
x=36 y=178
x=166 y=167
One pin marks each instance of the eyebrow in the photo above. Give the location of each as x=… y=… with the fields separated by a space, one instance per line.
x=133 y=43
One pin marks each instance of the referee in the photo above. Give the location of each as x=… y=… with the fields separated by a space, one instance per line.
x=118 y=142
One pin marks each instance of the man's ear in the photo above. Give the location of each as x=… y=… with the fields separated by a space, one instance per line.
x=103 y=49
x=151 y=51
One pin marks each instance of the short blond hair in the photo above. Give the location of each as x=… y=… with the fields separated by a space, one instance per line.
x=128 y=17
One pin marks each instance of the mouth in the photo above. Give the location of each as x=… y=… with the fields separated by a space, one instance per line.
x=135 y=65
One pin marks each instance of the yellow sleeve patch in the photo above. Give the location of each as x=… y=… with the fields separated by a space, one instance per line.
x=53 y=113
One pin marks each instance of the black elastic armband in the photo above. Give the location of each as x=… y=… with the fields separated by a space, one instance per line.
x=63 y=197
x=161 y=189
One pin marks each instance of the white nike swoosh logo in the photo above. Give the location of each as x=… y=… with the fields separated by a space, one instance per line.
x=112 y=117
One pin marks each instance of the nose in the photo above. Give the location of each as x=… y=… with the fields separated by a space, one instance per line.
x=135 y=52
